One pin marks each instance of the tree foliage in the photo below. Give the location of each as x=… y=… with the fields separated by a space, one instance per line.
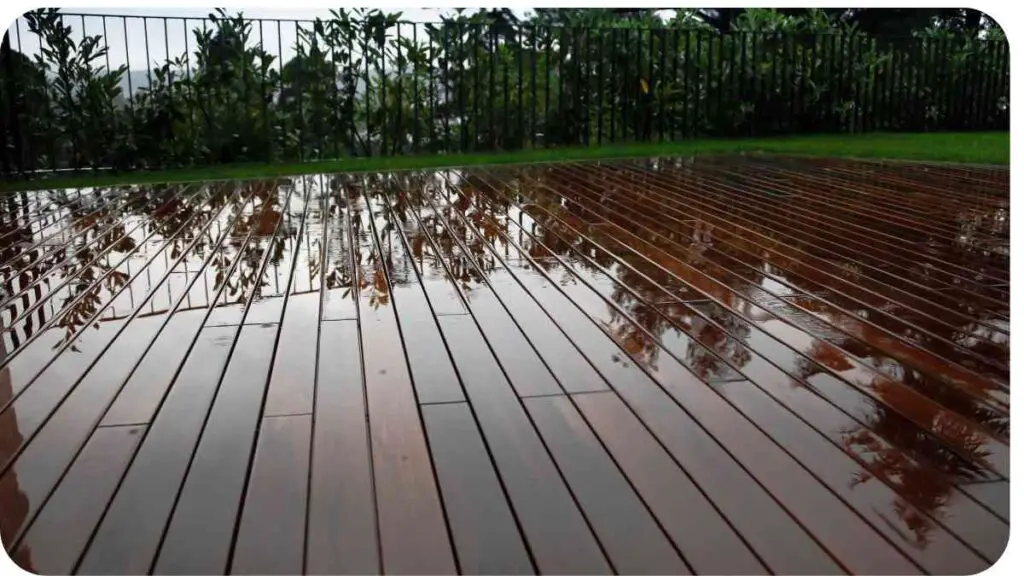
x=364 y=82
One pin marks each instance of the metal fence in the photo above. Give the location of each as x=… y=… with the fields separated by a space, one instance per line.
x=85 y=91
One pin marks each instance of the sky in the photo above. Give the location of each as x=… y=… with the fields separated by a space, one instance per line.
x=126 y=37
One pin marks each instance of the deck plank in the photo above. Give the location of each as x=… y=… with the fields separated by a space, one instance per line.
x=59 y=534
x=708 y=543
x=634 y=541
x=486 y=536
x=272 y=528
x=413 y=532
x=128 y=537
x=199 y=536
x=342 y=535
x=559 y=537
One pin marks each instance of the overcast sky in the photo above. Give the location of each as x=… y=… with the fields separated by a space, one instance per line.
x=132 y=51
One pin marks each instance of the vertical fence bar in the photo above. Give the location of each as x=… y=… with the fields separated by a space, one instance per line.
x=399 y=79
x=752 y=81
x=72 y=120
x=562 y=73
x=896 y=93
x=915 y=84
x=789 y=75
x=893 y=95
x=1002 y=80
x=991 y=50
x=191 y=98
x=367 y=89
x=588 y=74
x=49 y=114
x=600 y=87
x=351 y=78
x=809 y=106
x=415 y=89
x=476 y=87
x=660 y=85
x=382 y=73
x=875 y=77
x=799 y=74
x=924 y=87
x=446 y=46
x=263 y=90
x=335 y=134
x=491 y=92
x=300 y=92
x=975 y=86
x=986 y=86
x=625 y=84
x=932 y=68
x=956 y=96
x=720 y=97
x=578 y=112
x=463 y=97
x=534 y=50
x=942 y=86
x=547 y=85
x=521 y=111
x=431 y=91
x=849 y=101
x=774 y=84
x=638 y=101
x=978 y=86
x=504 y=123
x=674 y=105
x=857 y=112
x=965 y=100
x=615 y=80
x=316 y=110
x=706 y=120
x=13 y=116
x=687 y=126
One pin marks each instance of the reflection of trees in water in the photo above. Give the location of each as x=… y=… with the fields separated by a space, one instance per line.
x=105 y=233
x=925 y=491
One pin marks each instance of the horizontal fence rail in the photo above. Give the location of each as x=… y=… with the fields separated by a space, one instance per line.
x=86 y=91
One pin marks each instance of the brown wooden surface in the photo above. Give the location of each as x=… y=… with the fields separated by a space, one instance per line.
x=270 y=531
x=716 y=365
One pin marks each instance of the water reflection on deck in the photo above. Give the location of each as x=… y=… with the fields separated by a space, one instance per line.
x=728 y=365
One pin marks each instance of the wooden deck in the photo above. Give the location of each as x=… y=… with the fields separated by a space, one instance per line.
x=712 y=366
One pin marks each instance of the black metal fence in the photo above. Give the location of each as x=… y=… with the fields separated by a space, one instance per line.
x=84 y=91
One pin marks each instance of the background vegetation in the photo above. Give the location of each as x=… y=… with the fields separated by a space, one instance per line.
x=366 y=83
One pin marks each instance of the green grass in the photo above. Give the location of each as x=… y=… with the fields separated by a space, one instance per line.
x=960 y=147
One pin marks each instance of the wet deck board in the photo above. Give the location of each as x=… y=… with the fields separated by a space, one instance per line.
x=723 y=365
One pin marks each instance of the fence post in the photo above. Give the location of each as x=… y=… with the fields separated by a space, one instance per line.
x=11 y=117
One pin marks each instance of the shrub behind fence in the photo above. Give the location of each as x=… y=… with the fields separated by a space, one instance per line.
x=258 y=90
